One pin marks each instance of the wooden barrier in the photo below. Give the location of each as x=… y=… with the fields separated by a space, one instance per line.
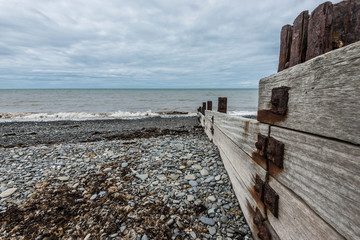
x=295 y=178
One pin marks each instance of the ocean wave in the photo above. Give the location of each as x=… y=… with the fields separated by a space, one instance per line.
x=12 y=117
x=79 y=116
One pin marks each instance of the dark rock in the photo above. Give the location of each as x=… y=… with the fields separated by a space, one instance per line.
x=285 y=45
x=299 y=42
x=319 y=31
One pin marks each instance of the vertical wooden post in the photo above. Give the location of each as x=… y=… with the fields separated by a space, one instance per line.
x=203 y=108
x=209 y=105
x=222 y=105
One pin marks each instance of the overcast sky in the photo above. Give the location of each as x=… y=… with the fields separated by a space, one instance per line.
x=142 y=44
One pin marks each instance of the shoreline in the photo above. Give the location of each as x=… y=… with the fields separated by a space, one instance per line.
x=166 y=182
x=30 y=133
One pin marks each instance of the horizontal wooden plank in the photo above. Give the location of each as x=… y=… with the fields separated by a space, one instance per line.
x=324 y=95
x=325 y=174
x=242 y=131
x=296 y=220
x=242 y=171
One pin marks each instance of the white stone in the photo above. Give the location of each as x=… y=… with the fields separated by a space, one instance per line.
x=197 y=166
x=190 y=177
x=107 y=169
x=204 y=172
x=64 y=178
x=211 y=198
x=7 y=192
x=190 y=198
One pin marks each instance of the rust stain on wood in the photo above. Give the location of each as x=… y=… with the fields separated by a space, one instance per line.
x=259 y=159
x=257 y=198
x=274 y=171
x=246 y=128
x=267 y=116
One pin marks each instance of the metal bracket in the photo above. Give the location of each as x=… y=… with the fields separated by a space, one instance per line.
x=271 y=149
x=261 y=144
x=212 y=125
x=279 y=100
x=275 y=152
x=271 y=200
x=259 y=186
x=259 y=221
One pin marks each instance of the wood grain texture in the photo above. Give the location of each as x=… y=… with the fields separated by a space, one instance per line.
x=296 y=220
x=242 y=131
x=324 y=95
x=242 y=171
x=325 y=174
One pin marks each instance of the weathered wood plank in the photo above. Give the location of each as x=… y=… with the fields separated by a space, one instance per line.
x=242 y=171
x=325 y=174
x=242 y=131
x=296 y=220
x=324 y=95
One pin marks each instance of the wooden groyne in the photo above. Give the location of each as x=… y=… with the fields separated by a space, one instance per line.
x=296 y=169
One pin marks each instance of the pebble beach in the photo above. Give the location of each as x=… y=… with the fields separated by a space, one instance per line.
x=151 y=178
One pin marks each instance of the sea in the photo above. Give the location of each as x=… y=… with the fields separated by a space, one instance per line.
x=86 y=104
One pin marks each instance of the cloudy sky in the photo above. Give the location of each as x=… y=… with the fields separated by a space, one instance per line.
x=142 y=43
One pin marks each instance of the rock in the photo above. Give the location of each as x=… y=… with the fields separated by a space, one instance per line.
x=162 y=177
x=285 y=46
x=197 y=166
x=64 y=178
x=243 y=231
x=107 y=169
x=87 y=237
x=190 y=177
x=174 y=176
x=207 y=221
x=190 y=198
x=8 y=192
x=299 y=39
x=142 y=176
x=193 y=235
x=144 y=237
x=124 y=165
x=224 y=219
x=211 y=198
x=209 y=179
x=212 y=230
x=93 y=197
x=204 y=172
x=193 y=183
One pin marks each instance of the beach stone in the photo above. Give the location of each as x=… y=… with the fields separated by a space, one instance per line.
x=212 y=230
x=162 y=177
x=142 y=176
x=87 y=237
x=93 y=197
x=64 y=178
x=124 y=165
x=8 y=192
x=174 y=176
x=211 y=198
x=190 y=198
x=190 y=177
x=197 y=166
x=144 y=237
x=193 y=235
x=207 y=221
x=107 y=169
x=204 y=172
x=193 y=183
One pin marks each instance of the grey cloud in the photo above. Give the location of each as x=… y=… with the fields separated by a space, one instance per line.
x=145 y=43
